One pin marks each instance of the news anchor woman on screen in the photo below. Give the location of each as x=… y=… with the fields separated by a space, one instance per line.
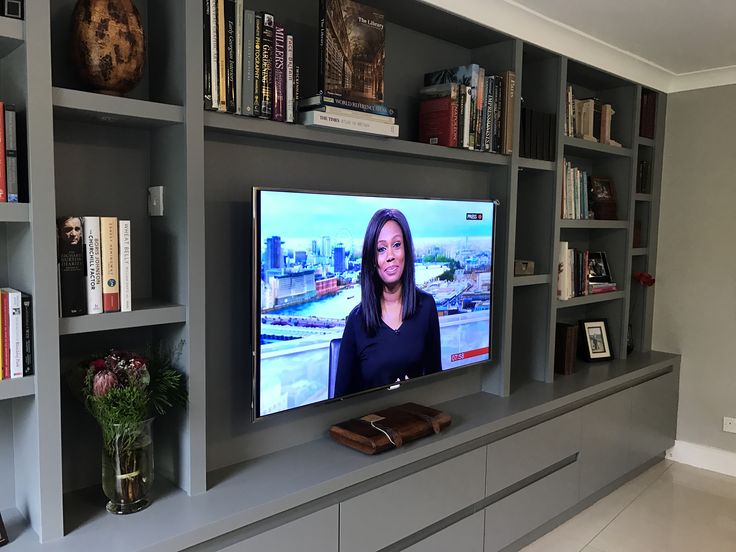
x=394 y=333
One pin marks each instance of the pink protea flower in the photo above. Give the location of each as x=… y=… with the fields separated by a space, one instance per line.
x=103 y=382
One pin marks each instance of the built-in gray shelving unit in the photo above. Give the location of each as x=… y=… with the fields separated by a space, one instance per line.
x=94 y=154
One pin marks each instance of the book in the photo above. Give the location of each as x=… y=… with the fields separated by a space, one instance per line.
x=93 y=256
x=27 y=320
x=206 y=54
x=214 y=54
x=509 y=97
x=239 y=51
x=14 y=334
x=267 y=44
x=468 y=75
x=290 y=104
x=438 y=121
x=126 y=303
x=257 y=62
x=3 y=179
x=5 y=329
x=478 y=101
x=297 y=90
x=352 y=113
x=230 y=56
x=110 y=264
x=248 y=74
x=566 y=346
x=351 y=51
x=647 y=114
x=71 y=266
x=221 y=57
x=320 y=100
x=359 y=124
x=279 y=73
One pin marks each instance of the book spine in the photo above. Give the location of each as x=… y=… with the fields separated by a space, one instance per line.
x=352 y=113
x=3 y=179
x=94 y=264
x=15 y=334
x=72 y=264
x=214 y=54
x=321 y=69
x=238 y=76
x=249 y=21
x=257 y=62
x=11 y=153
x=436 y=121
x=467 y=122
x=221 y=56
x=461 y=117
x=267 y=43
x=207 y=37
x=110 y=267
x=27 y=319
x=509 y=98
x=297 y=90
x=317 y=118
x=479 y=101
x=230 y=104
x=344 y=103
x=454 y=116
x=6 y=333
x=126 y=302
x=279 y=74
x=290 y=110
x=488 y=114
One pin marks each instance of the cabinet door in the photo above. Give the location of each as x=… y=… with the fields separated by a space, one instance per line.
x=385 y=515
x=464 y=536
x=316 y=532
x=604 y=447
x=653 y=418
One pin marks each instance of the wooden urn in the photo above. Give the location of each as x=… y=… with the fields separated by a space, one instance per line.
x=109 y=46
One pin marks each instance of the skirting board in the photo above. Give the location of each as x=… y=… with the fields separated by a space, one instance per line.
x=701 y=456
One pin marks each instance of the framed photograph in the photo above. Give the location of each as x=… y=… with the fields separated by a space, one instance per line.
x=598 y=270
x=594 y=338
x=602 y=198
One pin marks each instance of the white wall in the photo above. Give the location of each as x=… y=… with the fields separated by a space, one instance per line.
x=695 y=293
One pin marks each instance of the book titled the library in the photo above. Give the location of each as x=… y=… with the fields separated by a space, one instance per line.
x=93 y=255
x=126 y=304
x=110 y=264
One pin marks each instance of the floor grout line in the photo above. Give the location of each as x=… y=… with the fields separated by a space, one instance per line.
x=625 y=507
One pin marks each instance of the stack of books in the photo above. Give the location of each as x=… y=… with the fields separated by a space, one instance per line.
x=16 y=334
x=575 y=204
x=582 y=272
x=648 y=113
x=94 y=258
x=462 y=107
x=350 y=78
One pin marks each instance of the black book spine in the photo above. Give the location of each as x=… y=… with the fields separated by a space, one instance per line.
x=257 y=64
x=488 y=115
x=322 y=42
x=267 y=43
x=72 y=268
x=461 y=117
x=27 y=322
x=279 y=74
x=230 y=56
x=206 y=55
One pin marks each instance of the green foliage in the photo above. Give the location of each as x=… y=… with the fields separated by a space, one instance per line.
x=447 y=275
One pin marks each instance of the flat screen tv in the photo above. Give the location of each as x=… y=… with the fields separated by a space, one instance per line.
x=356 y=293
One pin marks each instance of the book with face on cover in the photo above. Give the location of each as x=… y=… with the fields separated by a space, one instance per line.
x=72 y=266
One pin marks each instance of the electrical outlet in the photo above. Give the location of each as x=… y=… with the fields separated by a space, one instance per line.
x=729 y=424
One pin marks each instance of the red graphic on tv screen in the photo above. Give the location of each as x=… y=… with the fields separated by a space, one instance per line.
x=469 y=354
x=473 y=216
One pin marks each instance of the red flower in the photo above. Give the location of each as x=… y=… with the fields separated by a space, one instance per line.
x=97 y=364
x=644 y=278
x=103 y=382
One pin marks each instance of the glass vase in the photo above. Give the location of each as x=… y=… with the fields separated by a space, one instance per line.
x=127 y=466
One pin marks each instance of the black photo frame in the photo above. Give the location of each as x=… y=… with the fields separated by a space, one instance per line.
x=595 y=344
x=598 y=270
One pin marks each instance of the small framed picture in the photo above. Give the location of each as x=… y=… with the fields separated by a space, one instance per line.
x=598 y=270
x=595 y=344
x=602 y=198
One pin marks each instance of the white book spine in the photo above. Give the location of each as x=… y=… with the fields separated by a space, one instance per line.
x=94 y=264
x=15 y=333
x=357 y=124
x=289 y=79
x=126 y=302
x=213 y=55
x=238 y=56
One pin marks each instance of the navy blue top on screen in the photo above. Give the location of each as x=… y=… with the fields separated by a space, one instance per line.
x=412 y=350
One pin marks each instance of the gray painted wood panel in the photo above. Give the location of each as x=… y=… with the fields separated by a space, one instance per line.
x=385 y=515
x=463 y=536
x=7 y=479
x=653 y=418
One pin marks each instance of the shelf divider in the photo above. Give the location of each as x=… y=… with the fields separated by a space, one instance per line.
x=14 y=212
x=590 y=299
x=595 y=224
x=18 y=387
x=534 y=280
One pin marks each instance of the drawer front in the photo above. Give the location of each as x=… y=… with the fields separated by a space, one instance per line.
x=527 y=452
x=653 y=418
x=516 y=515
x=385 y=515
x=316 y=532
x=463 y=536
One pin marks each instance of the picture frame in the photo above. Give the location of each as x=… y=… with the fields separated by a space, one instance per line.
x=598 y=270
x=602 y=198
x=595 y=344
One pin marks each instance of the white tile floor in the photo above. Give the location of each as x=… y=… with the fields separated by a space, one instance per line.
x=669 y=508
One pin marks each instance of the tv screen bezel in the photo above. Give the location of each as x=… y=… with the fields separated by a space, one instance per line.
x=256 y=297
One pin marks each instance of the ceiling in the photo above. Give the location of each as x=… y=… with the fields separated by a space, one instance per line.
x=679 y=36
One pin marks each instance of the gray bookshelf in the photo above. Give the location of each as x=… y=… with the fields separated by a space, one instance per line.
x=192 y=276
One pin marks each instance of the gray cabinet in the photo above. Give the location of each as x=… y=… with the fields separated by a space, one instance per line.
x=464 y=536
x=385 y=515
x=316 y=532
x=653 y=418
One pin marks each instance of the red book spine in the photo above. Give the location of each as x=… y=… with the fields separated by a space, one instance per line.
x=438 y=120
x=3 y=179
x=6 y=333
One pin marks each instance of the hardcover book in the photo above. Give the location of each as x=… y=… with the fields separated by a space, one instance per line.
x=343 y=122
x=15 y=333
x=249 y=27
x=110 y=264
x=438 y=121
x=468 y=75
x=566 y=346
x=214 y=55
x=279 y=74
x=239 y=51
x=267 y=46
x=221 y=56
x=94 y=264
x=206 y=54
x=230 y=56
x=3 y=179
x=71 y=266
x=352 y=50
x=290 y=103
x=5 y=329
x=27 y=319
x=257 y=62
x=126 y=304
x=321 y=100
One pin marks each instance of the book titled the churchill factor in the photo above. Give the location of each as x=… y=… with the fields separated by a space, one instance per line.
x=351 y=60
x=94 y=264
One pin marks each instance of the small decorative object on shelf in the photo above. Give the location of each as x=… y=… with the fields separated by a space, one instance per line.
x=13 y=8
x=602 y=198
x=109 y=46
x=523 y=268
x=646 y=280
x=3 y=533
x=595 y=345
x=124 y=391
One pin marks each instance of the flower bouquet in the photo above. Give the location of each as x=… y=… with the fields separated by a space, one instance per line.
x=124 y=391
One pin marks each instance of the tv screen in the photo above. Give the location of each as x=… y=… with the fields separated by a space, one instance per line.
x=358 y=292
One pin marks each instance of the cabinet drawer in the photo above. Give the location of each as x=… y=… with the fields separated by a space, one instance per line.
x=316 y=532
x=385 y=515
x=464 y=536
x=527 y=452
x=653 y=418
x=516 y=515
